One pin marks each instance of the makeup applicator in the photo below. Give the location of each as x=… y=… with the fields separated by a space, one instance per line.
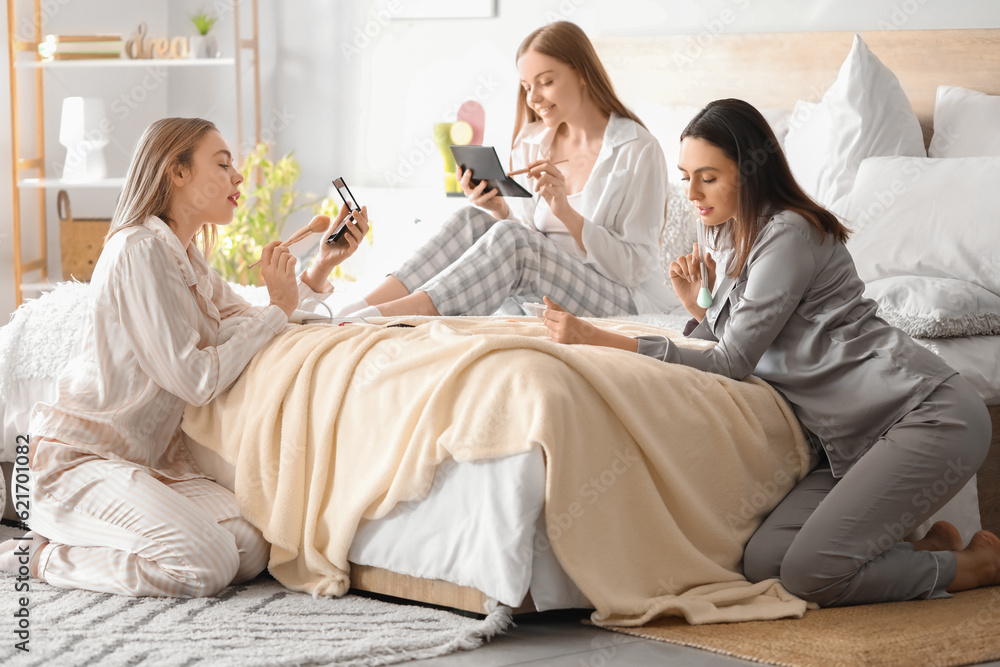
x=705 y=294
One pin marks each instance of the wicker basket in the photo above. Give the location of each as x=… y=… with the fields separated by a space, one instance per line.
x=80 y=240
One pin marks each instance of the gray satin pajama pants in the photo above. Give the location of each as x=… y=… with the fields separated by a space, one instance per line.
x=475 y=262
x=838 y=542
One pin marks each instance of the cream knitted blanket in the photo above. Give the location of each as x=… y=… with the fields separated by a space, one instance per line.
x=656 y=474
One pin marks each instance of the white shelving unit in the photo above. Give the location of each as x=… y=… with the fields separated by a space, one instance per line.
x=43 y=183
x=28 y=172
x=105 y=63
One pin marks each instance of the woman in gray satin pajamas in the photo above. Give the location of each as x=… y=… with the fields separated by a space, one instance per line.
x=898 y=432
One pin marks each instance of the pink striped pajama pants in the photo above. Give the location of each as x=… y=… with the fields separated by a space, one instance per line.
x=117 y=527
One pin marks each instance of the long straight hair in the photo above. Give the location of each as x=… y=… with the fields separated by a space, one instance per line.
x=766 y=184
x=165 y=145
x=567 y=43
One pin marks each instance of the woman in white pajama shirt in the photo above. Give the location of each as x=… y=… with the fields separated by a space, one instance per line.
x=118 y=505
x=888 y=419
x=587 y=237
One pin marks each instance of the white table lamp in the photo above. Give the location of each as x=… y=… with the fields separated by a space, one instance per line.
x=82 y=132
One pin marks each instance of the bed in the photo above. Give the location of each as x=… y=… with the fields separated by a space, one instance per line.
x=501 y=557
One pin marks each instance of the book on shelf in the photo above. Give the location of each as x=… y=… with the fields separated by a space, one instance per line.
x=77 y=47
x=83 y=56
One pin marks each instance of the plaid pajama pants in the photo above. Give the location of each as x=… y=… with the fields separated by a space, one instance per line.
x=474 y=263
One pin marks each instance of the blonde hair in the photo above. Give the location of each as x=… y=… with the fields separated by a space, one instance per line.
x=567 y=43
x=165 y=145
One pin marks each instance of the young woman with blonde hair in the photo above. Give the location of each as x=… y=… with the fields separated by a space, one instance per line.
x=117 y=503
x=588 y=236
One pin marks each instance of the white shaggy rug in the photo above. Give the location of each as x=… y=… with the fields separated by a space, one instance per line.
x=260 y=623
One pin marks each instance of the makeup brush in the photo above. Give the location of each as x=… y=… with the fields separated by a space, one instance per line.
x=317 y=225
x=527 y=169
x=705 y=294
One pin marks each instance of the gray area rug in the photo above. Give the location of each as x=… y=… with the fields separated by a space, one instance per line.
x=260 y=623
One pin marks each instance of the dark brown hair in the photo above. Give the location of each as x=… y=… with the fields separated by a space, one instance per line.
x=567 y=43
x=766 y=184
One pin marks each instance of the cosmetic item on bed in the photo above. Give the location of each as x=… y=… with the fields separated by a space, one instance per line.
x=317 y=225
x=705 y=294
x=536 y=309
x=300 y=316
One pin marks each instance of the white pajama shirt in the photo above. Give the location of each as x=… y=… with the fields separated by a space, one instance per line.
x=115 y=489
x=623 y=204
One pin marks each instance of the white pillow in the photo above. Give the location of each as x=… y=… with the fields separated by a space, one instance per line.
x=938 y=218
x=936 y=307
x=966 y=123
x=864 y=113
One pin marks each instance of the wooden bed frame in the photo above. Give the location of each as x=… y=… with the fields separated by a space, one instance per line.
x=771 y=71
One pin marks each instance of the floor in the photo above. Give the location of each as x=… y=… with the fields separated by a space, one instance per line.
x=558 y=639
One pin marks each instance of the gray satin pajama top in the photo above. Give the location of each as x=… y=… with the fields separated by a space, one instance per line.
x=797 y=319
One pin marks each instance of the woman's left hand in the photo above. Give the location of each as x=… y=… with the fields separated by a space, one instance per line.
x=568 y=329
x=347 y=245
x=550 y=184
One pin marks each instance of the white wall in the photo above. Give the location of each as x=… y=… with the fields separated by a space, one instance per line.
x=354 y=92
x=413 y=73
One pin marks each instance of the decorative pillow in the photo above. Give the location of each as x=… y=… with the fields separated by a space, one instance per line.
x=966 y=123
x=936 y=307
x=680 y=231
x=938 y=218
x=864 y=113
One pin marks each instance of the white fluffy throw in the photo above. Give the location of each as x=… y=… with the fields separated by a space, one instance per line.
x=39 y=339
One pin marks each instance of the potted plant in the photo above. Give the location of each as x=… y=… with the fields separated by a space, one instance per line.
x=203 y=45
x=268 y=199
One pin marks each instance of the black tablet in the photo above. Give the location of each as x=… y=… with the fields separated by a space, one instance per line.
x=485 y=166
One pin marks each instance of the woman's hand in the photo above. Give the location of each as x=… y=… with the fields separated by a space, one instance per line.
x=332 y=255
x=316 y=277
x=478 y=195
x=570 y=330
x=278 y=270
x=565 y=328
x=685 y=276
x=551 y=185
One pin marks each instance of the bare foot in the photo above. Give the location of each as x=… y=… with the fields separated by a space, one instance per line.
x=941 y=537
x=978 y=564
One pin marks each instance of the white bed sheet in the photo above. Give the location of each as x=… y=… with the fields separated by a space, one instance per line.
x=480 y=526
x=477 y=525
